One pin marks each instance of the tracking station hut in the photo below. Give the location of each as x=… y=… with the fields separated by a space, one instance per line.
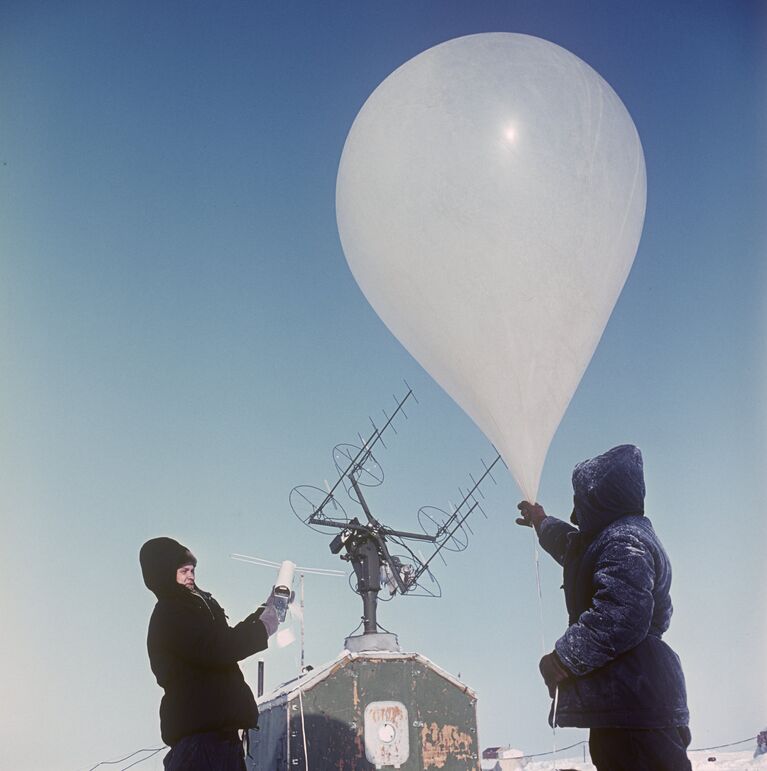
x=368 y=709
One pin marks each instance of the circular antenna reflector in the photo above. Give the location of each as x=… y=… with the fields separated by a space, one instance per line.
x=353 y=461
x=436 y=522
x=317 y=508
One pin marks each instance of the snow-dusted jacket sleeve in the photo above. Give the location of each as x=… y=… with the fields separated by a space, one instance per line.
x=622 y=608
x=553 y=536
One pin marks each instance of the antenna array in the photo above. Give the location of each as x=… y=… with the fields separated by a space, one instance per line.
x=366 y=543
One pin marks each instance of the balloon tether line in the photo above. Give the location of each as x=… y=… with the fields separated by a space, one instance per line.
x=536 y=562
x=539 y=593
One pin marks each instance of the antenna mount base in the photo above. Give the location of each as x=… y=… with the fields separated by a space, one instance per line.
x=375 y=641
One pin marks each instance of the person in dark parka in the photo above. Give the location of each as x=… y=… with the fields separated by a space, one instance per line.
x=193 y=653
x=611 y=671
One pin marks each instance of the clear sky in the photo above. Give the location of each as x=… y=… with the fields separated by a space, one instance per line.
x=181 y=342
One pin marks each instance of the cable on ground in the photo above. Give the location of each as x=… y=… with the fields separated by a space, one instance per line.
x=690 y=749
x=127 y=757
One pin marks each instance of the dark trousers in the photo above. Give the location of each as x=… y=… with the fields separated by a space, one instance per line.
x=640 y=749
x=216 y=751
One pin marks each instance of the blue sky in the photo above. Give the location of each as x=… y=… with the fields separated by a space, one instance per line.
x=182 y=342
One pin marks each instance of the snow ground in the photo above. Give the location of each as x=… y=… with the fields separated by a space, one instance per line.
x=724 y=761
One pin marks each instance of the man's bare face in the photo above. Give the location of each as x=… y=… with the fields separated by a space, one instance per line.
x=185 y=576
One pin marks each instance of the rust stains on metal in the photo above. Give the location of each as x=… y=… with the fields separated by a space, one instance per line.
x=355 y=695
x=388 y=714
x=438 y=743
x=359 y=742
x=357 y=725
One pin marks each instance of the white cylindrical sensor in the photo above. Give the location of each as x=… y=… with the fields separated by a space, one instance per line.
x=283 y=588
x=284 y=582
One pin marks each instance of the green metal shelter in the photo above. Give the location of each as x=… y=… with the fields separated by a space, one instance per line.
x=368 y=710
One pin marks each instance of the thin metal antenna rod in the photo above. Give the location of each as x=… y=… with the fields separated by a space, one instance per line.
x=405 y=534
x=373 y=521
x=487 y=473
x=399 y=408
x=456 y=519
x=381 y=528
x=301 y=605
x=425 y=565
x=272 y=564
x=358 y=460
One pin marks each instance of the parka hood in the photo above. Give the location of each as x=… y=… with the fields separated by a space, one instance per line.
x=608 y=487
x=160 y=558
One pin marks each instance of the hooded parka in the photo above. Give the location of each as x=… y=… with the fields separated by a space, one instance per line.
x=617 y=578
x=193 y=651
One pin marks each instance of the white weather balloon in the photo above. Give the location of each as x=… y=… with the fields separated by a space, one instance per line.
x=490 y=200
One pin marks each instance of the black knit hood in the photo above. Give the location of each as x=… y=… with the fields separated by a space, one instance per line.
x=160 y=558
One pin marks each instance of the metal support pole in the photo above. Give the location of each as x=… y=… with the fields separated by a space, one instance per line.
x=367 y=567
x=301 y=601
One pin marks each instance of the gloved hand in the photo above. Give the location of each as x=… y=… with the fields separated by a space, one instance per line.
x=532 y=514
x=267 y=615
x=553 y=671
